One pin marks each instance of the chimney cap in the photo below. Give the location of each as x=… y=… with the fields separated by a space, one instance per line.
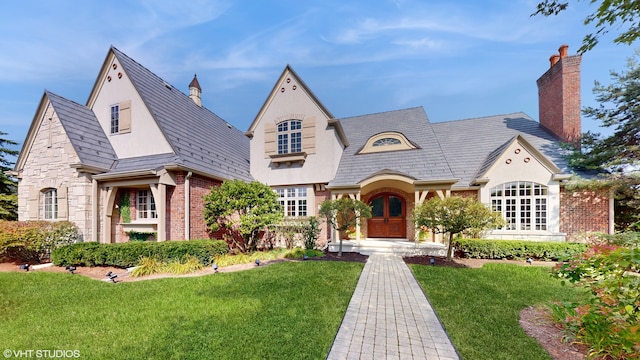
x=194 y=83
x=553 y=59
x=563 y=50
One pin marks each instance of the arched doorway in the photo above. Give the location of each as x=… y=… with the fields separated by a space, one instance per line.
x=389 y=219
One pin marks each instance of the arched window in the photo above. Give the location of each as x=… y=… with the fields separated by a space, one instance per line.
x=50 y=205
x=523 y=205
x=386 y=141
x=290 y=137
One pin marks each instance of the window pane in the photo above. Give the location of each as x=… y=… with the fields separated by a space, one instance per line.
x=115 y=119
x=377 y=206
x=395 y=206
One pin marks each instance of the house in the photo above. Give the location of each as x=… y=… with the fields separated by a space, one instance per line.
x=140 y=155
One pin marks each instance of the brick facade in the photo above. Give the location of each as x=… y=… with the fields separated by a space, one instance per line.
x=559 y=97
x=583 y=212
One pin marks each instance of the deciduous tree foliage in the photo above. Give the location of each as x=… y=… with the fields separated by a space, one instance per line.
x=619 y=15
x=454 y=215
x=619 y=153
x=246 y=208
x=343 y=214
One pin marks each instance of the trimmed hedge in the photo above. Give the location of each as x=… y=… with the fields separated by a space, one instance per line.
x=517 y=249
x=128 y=254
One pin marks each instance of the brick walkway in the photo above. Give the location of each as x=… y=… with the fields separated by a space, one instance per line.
x=389 y=317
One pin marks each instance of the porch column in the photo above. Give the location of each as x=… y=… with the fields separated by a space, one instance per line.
x=110 y=198
x=95 y=193
x=358 y=219
x=159 y=192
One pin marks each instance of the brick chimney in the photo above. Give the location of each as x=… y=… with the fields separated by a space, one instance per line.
x=559 y=96
x=195 y=91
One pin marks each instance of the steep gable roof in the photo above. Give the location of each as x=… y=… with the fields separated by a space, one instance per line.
x=426 y=162
x=288 y=71
x=84 y=131
x=200 y=139
x=469 y=152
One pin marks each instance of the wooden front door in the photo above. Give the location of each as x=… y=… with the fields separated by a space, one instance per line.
x=388 y=220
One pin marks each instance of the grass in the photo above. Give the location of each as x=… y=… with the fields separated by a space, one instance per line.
x=282 y=311
x=480 y=307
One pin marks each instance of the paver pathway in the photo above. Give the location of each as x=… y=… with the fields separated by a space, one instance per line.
x=389 y=317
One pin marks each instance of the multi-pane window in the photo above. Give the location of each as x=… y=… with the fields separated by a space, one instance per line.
x=50 y=204
x=293 y=200
x=115 y=119
x=523 y=205
x=290 y=137
x=146 y=205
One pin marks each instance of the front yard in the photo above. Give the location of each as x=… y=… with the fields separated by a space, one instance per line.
x=282 y=311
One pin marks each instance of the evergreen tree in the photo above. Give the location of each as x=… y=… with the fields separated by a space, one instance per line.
x=8 y=185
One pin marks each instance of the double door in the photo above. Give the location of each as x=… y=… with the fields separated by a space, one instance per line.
x=389 y=219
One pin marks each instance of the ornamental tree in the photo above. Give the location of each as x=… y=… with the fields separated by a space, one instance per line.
x=8 y=185
x=454 y=215
x=343 y=214
x=244 y=208
x=622 y=16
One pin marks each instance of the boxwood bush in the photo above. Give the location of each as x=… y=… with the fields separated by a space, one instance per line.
x=128 y=254
x=517 y=249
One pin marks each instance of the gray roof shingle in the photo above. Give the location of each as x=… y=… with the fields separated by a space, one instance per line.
x=425 y=162
x=470 y=145
x=85 y=134
x=200 y=139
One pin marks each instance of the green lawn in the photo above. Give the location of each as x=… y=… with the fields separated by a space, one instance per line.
x=281 y=311
x=480 y=307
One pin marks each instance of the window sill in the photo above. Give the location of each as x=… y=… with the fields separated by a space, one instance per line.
x=289 y=159
x=140 y=226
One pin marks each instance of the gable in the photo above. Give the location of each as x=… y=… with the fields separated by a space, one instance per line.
x=137 y=133
x=518 y=160
x=293 y=137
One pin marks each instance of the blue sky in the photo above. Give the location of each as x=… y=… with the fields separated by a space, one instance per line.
x=457 y=59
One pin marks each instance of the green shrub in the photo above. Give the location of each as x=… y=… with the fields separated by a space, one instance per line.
x=33 y=241
x=609 y=321
x=147 y=266
x=299 y=253
x=517 y=249
x=128 y=254
x=140 y=236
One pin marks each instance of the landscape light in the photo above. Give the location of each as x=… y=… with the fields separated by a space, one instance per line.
x=215 y=267
x=529 y=261
x=25 y=267
x=111 y=276
x=257 y=262
x=305 y=257
x=70 y=268
x=432 y=261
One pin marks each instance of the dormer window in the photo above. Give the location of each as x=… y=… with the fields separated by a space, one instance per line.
x=290 y=137
x=387 y=141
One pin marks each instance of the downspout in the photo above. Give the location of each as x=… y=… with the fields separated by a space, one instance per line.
x=612 y=214
x=94 y=210
x=187 y=206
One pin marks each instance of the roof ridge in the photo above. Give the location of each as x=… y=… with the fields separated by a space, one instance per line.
x=483 y=117
x=385 y=112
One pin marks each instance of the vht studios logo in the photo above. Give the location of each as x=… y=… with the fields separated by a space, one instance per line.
x=41 y=354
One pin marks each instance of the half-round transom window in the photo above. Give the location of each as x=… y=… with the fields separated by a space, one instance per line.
x=387 y=141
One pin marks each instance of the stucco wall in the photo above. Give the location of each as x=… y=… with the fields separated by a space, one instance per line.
x=145 y=137
x=291 y=101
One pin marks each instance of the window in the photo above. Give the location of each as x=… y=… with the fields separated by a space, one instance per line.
x=115 y=119
x=146 y=205
x=290 y=137
x=386 y=141
x=523 y=205
x=293 y=200
x=50 y=204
